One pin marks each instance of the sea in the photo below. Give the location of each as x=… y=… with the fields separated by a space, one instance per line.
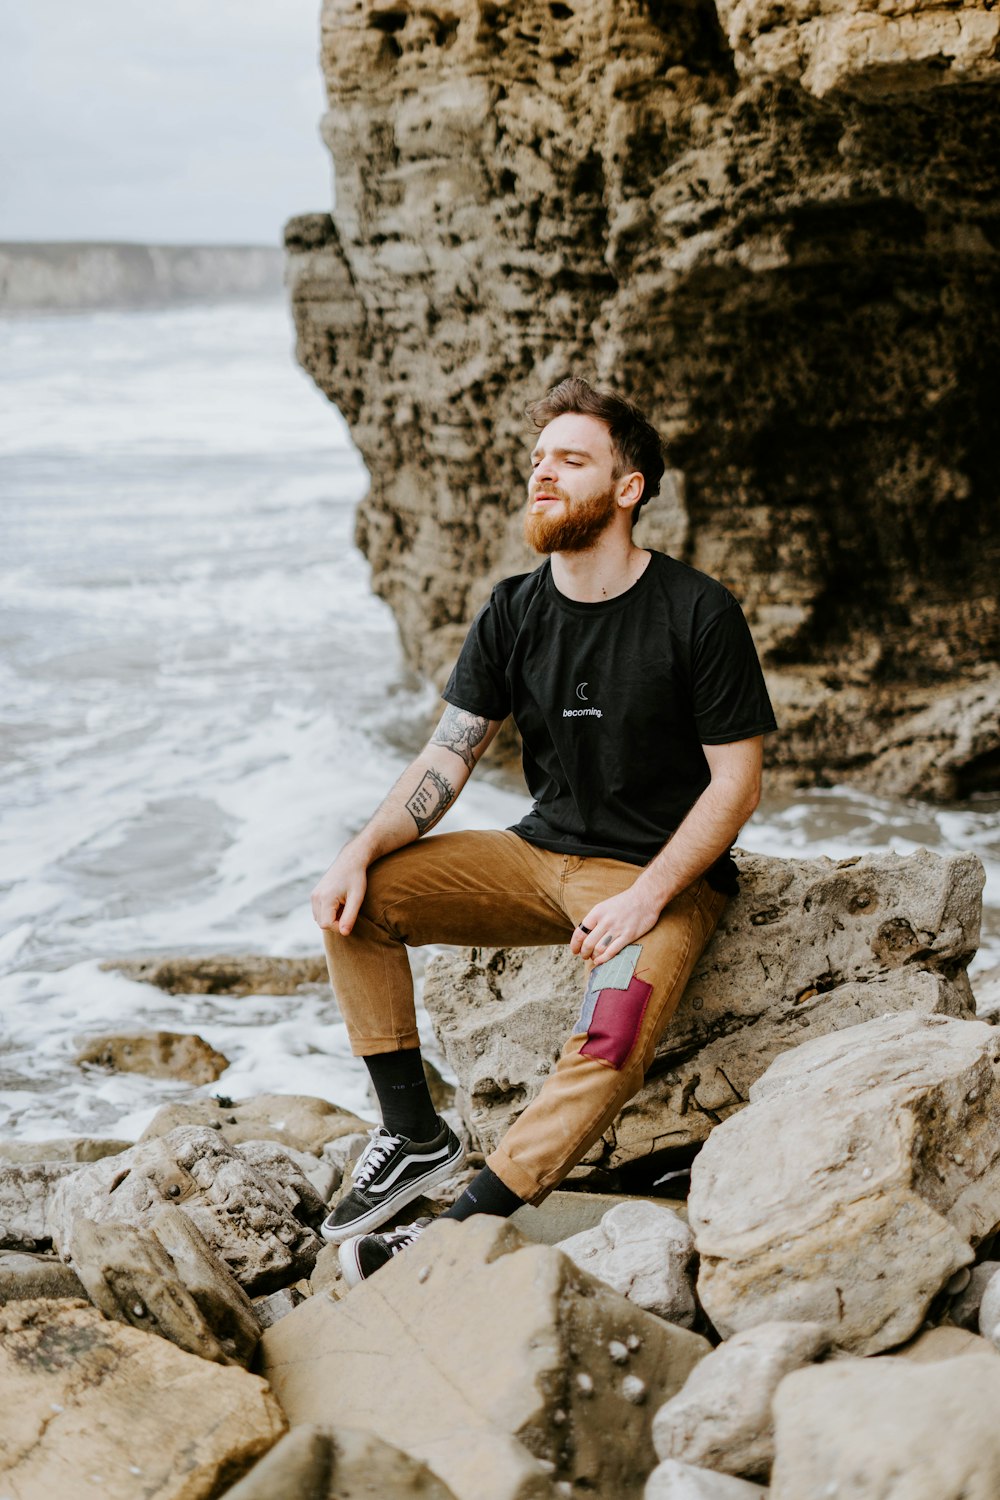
x=201 y=699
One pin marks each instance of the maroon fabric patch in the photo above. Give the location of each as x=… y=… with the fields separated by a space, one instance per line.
x=615 y=1023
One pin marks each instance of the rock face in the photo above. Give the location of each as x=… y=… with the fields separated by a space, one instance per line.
x=102 y=1412
x=872 y=1428
x=244 y=1216
x=776 y=228
x=808 y=947
x=855 y=1184
x=533 y=1362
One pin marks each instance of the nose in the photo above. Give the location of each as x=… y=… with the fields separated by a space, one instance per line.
x=545 y=470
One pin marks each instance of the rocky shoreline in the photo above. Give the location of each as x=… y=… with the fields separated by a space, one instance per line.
x=821 y=1317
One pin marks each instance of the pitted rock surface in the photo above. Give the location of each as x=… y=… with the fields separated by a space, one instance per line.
x=775 y=228
x=243 y=1214
x=808 y=947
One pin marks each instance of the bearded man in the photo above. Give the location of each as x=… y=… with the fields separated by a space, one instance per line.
x=641 y=706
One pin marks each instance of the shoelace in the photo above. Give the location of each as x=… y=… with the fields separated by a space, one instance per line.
x=399 y=1239
x=380 y=1147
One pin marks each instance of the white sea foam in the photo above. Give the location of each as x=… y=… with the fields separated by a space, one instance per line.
x=200 y=699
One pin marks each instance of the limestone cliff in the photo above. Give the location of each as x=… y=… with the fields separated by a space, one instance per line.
x=775 y=226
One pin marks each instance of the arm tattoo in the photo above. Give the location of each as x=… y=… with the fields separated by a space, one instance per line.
x=461 y=732
x=430 y=801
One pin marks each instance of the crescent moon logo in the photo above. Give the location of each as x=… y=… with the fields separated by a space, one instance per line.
x=581 y=694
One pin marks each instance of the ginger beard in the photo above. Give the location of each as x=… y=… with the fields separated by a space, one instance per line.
x=572 y=527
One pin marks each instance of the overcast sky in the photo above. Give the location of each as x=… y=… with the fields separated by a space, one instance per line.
x=193 y=121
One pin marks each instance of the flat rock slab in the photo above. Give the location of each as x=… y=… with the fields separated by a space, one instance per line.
x=96 y=1411
x=568 y=1212
x=74 y=1148
x=855 y=1184
x=244 y=1215
x=223 y=973
x=808 y=947
x=508 y=1367
x=885 y=1427
x=157 y=1054
x=297 y=1120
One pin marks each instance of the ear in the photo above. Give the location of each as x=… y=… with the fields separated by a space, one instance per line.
x=630 y=489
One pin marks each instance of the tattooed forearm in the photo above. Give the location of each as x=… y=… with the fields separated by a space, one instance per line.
x=430 y=801
x=461 y=732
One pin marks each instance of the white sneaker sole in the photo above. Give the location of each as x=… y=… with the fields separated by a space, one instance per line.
x=336 y=1234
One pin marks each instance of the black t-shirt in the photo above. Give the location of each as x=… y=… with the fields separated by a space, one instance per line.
x=614 y=701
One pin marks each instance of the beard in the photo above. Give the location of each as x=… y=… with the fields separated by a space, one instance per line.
x=573 y=529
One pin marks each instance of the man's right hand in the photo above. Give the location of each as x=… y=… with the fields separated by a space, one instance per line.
x=337 y=898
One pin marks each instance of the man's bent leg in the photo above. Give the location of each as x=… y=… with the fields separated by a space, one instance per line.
x=475 y=889
x=627 y=1005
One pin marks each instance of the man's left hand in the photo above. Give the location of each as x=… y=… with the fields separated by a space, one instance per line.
x=615 y=923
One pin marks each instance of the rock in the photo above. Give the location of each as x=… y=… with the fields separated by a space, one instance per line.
x=223 y=974
x=130 y=1277
x=287 y=1173
x=672 y=1480
x=873 y=1428
x=986 y=985
x=24 y=1276
x=99 y=1411
x=721 y=1417
x=217 y=1294
x=807 y=948
x=989 y=1311
x=530 y=1359
x=269 y=1310
x=313 y=1463
x=242 y=1213
x=321 y=1174
x=772 y=227
x=945 y=1342
x=296 y=1120
x=158 y=1054
x=644 y=1253
x=564 y=1214
x=327 y=1276
x=855 y=1184
x=963 y=1310
x=26 y=1193
x=74 y=1148
x=342 y=1153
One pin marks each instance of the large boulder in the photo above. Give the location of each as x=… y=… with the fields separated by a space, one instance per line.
x=886 y=1427
x=96 y=1411
x=500 y=1365
x=223 y=973
x=27 y=1191
x=244 y=1215
x=865 y=1169
x=808 y=947
x=721 y=1418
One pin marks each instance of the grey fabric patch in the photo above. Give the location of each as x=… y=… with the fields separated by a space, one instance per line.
x=616 y=974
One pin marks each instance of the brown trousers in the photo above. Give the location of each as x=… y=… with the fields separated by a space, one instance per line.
x=493 y=889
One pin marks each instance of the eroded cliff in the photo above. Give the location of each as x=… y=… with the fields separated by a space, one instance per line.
x=778 y=228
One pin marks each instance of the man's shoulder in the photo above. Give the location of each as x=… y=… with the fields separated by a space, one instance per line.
x=513 y=595
x=689 y=588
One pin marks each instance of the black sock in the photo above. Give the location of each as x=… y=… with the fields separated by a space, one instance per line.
x=403 y=1096
x=486 y=1194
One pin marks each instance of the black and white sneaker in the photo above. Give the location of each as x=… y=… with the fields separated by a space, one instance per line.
x=362 y=1256
x=389 y=1174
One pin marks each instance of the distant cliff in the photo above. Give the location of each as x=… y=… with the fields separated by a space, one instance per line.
x=75 y=276
x=777 y=228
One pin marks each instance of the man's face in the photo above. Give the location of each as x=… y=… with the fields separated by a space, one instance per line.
x=572 y=495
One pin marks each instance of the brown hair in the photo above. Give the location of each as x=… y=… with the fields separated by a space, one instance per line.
x=635 y=443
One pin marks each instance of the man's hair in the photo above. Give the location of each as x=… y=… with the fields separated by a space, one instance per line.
x=635 y=443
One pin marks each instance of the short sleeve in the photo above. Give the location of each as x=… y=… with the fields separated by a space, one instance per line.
x=478 y=682
x=730 y=697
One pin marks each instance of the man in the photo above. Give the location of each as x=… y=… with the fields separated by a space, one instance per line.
x=641 y=705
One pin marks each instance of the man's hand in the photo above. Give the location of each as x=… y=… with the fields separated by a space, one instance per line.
x=337 y=898
x=615 y=923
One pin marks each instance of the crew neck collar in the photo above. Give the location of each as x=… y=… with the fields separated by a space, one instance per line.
x=599 y=606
